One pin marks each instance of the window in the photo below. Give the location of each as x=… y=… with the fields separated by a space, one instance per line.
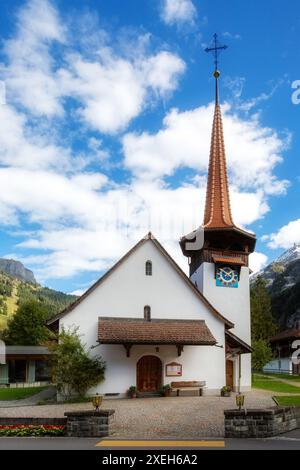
x=147 y=313
x=148 y=268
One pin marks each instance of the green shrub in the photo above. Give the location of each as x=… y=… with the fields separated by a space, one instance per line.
x=31 y=430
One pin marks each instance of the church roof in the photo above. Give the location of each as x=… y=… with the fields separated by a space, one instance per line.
x=139 y=331
x=166 y=255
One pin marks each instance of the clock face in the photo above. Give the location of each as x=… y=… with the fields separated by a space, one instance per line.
x=227 y=277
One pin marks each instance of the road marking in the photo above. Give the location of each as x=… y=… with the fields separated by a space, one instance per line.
x=134 y=443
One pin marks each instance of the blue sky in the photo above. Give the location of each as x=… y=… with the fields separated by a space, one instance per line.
x=106 y=119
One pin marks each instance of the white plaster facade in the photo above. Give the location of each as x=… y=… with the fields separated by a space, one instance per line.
x=234 y=304
x=124 y=293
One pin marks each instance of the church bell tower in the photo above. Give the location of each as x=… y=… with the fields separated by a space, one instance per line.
x=219 y=267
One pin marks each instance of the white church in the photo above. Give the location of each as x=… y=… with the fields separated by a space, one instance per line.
x=154 y=325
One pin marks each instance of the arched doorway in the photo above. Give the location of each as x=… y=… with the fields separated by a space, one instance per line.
x=149 y=374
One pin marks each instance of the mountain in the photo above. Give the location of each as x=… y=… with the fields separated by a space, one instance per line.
x=14 y=291
x=283 y=281
x=17 y=270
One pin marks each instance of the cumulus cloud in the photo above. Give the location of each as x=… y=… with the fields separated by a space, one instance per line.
x=178 y=11
x=91 y=83
x=285 y=237
x=257 y=261
x=252 y=149
x=30 y=70
x=39 y=83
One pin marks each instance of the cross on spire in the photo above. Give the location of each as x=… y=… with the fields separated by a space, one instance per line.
x=217 y=207
x=216 y=50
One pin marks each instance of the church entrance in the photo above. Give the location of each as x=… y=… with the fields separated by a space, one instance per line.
x=149 y=374
x=229 y=373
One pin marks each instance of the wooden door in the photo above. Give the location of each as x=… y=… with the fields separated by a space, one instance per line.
x=149 y=374
x=229 y=373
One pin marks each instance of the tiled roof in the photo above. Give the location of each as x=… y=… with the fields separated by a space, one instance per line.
x=287 y=334
x=139 y=331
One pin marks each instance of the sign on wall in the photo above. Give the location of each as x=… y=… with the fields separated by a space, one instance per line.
x=173 y=369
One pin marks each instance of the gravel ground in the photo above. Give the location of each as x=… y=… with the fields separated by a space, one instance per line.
x=152 y=418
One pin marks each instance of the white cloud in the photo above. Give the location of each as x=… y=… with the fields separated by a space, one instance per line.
x=252 y=150
x=30 y=71
x=178 y=11
x=27 y=147
x=78 y=292
x=257 y=261
x=285 y=237
x=47 y=197
x=102 y=86
x=109 y=87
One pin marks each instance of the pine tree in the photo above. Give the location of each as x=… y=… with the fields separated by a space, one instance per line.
x=263 y=326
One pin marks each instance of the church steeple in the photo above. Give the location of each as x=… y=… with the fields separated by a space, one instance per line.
x=217 y=212
x=223 y=241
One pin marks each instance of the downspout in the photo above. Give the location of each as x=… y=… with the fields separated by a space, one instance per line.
x=240 y=373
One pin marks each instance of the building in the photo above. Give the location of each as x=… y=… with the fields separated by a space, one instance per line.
x=284 y=344
x=25 y=366
x=152 y=324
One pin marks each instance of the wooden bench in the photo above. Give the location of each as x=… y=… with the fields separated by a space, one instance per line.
x=193 y=385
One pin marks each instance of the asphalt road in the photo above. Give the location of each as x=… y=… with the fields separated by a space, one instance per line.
x=288 y=441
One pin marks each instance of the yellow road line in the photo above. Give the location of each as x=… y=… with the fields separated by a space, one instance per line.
x=115 y=443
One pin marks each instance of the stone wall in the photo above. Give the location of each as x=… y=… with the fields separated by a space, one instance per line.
x=89 y=423
x=262 y=422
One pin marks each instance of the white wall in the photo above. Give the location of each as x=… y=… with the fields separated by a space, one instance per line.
x=284 y=364
x=124 y=294
x=234 y=304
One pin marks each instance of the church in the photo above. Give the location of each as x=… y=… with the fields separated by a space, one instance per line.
x=153 y=324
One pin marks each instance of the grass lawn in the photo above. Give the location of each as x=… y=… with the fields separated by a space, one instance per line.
x=273 y=385
x=292 y=378
x=19 y=393
x=288 y=401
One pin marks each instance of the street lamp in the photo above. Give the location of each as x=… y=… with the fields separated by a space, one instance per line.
x=97 y=400
x=240 y=400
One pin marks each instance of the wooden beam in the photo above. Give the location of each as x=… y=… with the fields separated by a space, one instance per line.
x=179 y=349
x=127 y=347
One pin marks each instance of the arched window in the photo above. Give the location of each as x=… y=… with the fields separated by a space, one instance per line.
x=147 y=313
x=148 y=268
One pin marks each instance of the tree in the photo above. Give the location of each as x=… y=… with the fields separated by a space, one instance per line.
x=28 y=325
x=74 y=370
x=263 y=325
x=261 y=355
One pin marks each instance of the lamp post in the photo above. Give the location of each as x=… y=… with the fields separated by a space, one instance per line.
x=240 y=400
x=97 y=400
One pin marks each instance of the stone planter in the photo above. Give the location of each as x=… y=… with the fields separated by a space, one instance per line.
x=268 y=422
x=89 y=423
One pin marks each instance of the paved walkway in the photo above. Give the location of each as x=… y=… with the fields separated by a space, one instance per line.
x=158 y=418
x=30 y=401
